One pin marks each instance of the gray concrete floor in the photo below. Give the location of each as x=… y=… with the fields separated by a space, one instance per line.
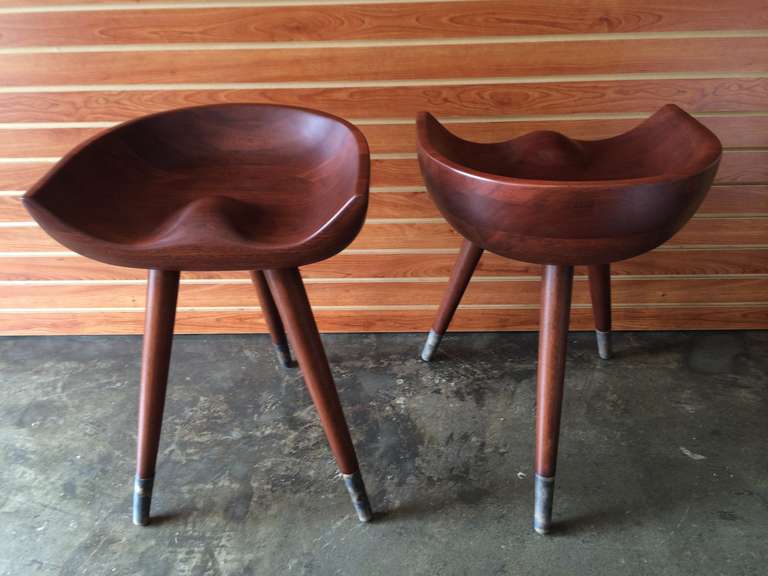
x=663 y=465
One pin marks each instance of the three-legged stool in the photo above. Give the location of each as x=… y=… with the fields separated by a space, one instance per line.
x=547 y=199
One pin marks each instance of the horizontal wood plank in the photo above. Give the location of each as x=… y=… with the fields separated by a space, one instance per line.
x=307 y=22
x=733 y=131
x=491 y=69
x=701 y=232
x=407 y=265
x=466 y=320
x=41 y=142
x=582 y=97
x=361 y=294
x=388 y=62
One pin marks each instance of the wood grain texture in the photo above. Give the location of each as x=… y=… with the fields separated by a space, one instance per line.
x=407 y=265
x=698 y=232
x=222 y=187
x=496 y=91
x=422 y=293
x=467 y=99
x=389 y=62
x=731 y=317
x=745 y=167
x=750 y=199
x=734 y=132
x=372 y=21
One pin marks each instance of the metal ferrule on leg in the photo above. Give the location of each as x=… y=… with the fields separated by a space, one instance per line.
x=356 y=489
x=433 y=340
x=284 y=354
x=545 y=493
x=142 y=500
x=604 y=348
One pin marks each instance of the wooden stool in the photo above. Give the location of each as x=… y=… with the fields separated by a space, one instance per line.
x=227 y=187
x=547 y=199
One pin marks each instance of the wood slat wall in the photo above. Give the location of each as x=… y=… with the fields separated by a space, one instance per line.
x=492 y=69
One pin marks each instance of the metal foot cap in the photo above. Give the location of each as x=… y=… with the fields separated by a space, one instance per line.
x=284 y=355
x=604 y=348
x=142 y=500
x=356 y=489
x=545 y=493
x=433 y=339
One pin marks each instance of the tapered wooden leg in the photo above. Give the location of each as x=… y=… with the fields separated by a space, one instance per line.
x=272 y=317
x=162 y=290
x=600 y=288
x=553 y=338
x=291 y=299
x=461 y=274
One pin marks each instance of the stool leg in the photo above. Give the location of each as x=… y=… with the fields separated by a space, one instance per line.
x=272 y=317
x=461 y=274
x=600 y=288
x=553 y=338
x=291 y=298
x=162 y=291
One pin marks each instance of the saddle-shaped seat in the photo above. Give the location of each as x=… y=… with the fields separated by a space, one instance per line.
x=225 y=187
x=549 y=199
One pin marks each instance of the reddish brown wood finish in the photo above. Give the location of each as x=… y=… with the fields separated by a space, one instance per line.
x=553 y=342
x=469 y=256
x=271 y=316
x=291 y=299
x=226 y=187
x=600 y=290
x=553 y=339
x=461 y=274
x=548 y=199
x=223 y=187
x=162 y=290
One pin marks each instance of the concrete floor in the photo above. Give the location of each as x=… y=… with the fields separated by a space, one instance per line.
x=663 y=464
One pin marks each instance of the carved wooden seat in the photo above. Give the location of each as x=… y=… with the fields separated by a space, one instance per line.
x=227 y=187
x=551 y=200
x=211 y=188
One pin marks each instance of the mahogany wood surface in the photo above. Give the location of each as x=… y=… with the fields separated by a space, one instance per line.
x=162 y=289
x=270 y=312
x=288 y=290
x=600 y=291
x=743 y=167
x=549 y=199
x=210 y=188
x=217 y=188
x=752 y=199
x=462 y=272
x=550 y=374
x=738 y=167
x=725 y=231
